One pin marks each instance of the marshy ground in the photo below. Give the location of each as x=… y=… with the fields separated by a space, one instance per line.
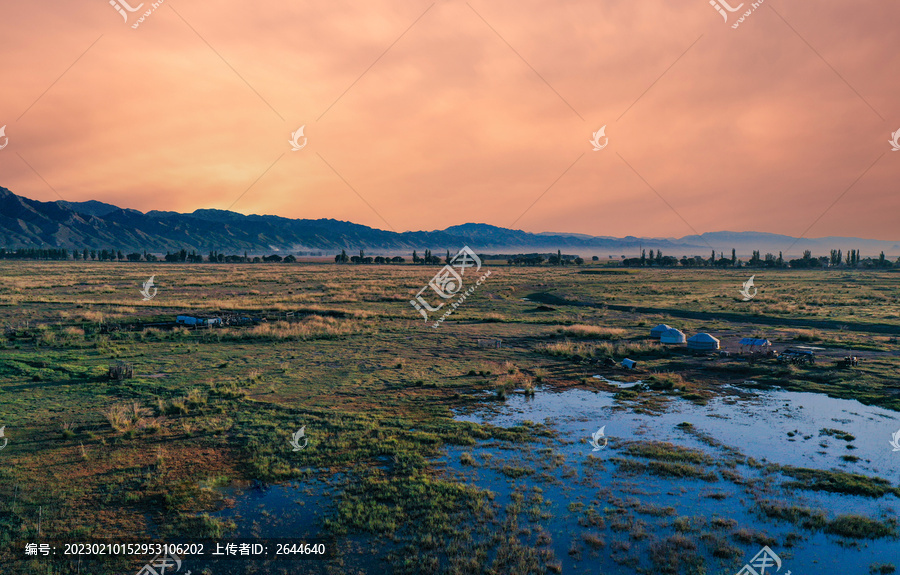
x=415 y=463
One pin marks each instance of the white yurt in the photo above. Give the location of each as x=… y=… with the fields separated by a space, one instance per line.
x=672 y=336
x=703 y=341
x=659 y=330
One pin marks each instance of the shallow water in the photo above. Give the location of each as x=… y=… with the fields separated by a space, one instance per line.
x=756 y=425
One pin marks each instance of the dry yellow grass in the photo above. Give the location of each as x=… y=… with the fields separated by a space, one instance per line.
x=592 y=332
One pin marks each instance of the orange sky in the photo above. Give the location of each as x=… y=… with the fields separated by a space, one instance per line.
x=469 y=116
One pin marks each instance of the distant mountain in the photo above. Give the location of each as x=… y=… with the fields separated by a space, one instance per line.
x=91 y=207
x=97 y=225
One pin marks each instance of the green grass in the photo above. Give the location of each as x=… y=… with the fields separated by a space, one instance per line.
x=375 y=388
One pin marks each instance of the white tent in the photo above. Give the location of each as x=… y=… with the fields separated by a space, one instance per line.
x=672 y=336
x=659 y=330
x=703 y=341
x=752 y=342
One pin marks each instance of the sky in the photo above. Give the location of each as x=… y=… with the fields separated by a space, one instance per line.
x=419 y=115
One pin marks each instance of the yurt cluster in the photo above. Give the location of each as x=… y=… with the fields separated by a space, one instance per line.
x=699 y=342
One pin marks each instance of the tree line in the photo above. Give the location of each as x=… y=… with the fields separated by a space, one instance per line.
x=836 y=259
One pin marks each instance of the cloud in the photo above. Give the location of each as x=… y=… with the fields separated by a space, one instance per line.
x=444 y=113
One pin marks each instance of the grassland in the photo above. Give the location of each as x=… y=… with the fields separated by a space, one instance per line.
x=375 y=387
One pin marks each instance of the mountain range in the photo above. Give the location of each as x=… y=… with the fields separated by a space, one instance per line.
x=26 y=223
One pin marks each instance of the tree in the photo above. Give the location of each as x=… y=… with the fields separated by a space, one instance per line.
x=595 y=259
x=712 y=257
x=415 y=257
x=733 y=257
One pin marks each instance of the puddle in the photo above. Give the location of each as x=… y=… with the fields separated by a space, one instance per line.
x=619 y=384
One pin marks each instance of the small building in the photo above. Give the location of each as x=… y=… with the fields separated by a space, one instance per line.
x=659 y=330
x=672 y=336
x=703 y=342
x=755 y=344
x=198 y=319
x=629 y=363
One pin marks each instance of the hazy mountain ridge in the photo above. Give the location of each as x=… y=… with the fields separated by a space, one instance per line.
x=77 y=225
